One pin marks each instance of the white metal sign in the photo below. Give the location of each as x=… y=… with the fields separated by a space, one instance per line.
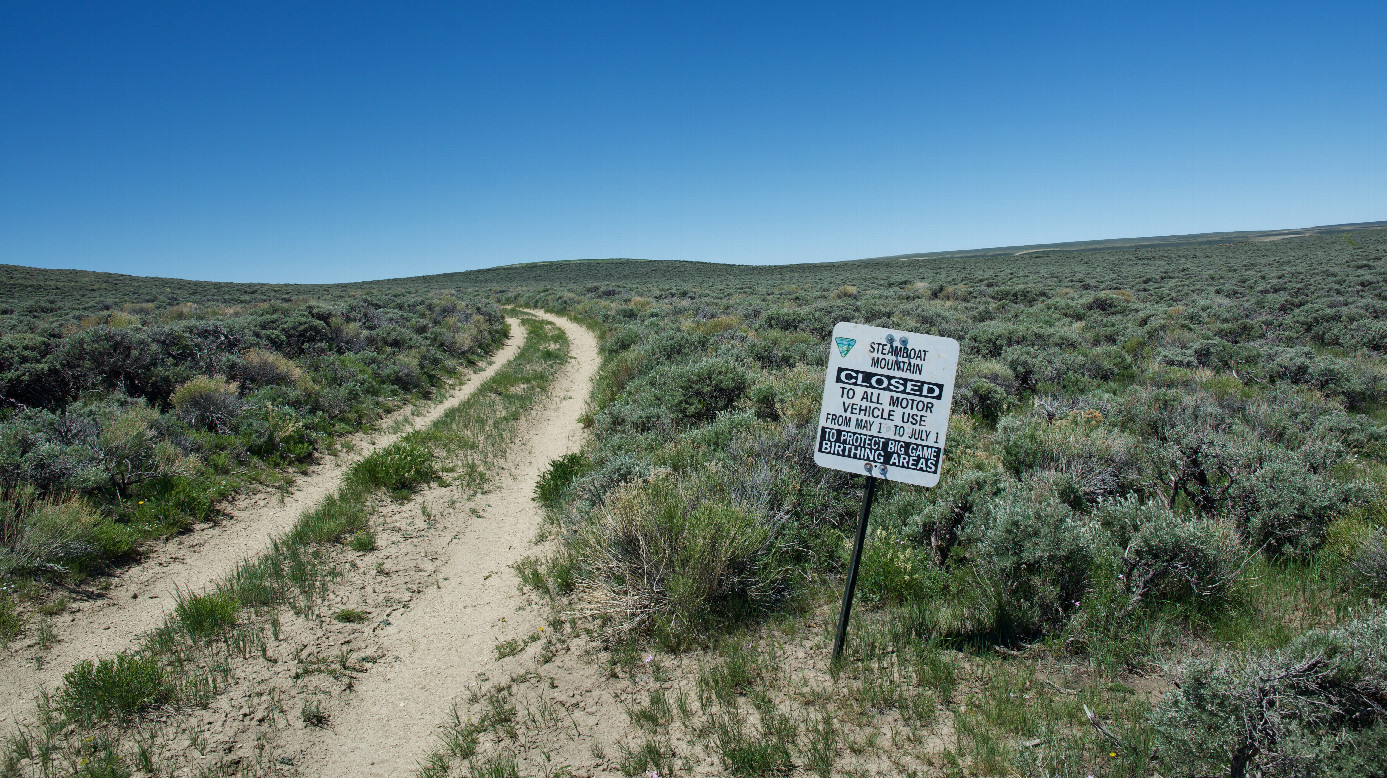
x=886 y=403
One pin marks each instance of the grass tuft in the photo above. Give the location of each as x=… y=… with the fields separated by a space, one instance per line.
x=120 y=688
x=350 y=616
x=363 y=541
x=205 y=616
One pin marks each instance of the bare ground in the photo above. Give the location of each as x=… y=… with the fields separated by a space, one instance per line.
x=139 y=599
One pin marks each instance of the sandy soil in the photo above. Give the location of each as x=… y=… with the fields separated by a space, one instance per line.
x=139 y=599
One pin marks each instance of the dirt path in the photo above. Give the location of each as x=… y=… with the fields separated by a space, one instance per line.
x=389 y=721
x=140 y=598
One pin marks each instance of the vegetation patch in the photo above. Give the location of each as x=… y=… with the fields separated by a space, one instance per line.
x=204 y=616
x=186 y=663
x=1151 y=456
x=123 y=420
x=121 y=688
x=350 y=616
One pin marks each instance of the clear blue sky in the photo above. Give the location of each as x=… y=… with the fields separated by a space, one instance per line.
x=338 y=141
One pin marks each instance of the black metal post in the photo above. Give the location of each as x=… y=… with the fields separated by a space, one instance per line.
x=852 y=568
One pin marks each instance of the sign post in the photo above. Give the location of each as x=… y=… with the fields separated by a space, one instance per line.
x=885 y=413
x=851 y=586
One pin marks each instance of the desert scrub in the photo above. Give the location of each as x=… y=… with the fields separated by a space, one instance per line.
x=1168 y=558
x=1286 y=510
x=350 y=616
x=263 y=367
x=1205 y=364
x=156 y=414
x=10 y=622
x=1369 y=560
x=55 y=534
x=209 y=403
x=1101 y=461
x=1033 y=560
x=894 y=570
x=661 y=559
x=363 y=541
x=1107 y=480
x=697 y=392
x=555 y=481
x=1318 y=706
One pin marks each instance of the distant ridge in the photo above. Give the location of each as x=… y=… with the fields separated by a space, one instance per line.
x=19 y=281
x=1163 y=241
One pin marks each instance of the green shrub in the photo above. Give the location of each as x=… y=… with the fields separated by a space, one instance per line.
x=894 y=570
x=1099 y=460
x=1285 y=509
x=121 y=688
x=762 y=397
x=658 y=558
x=261 y=366
x=131 y=450
x=50 y=452
x=398 y=468
x=208 y=403
x=10 y=623
x=61 y=535
x=697 y=392
x=273 y=431
x=1316 y=707
x=1165 y=557
x=1369 y=560
x=561 y=474
x=797 y=394
x=207 y=615
x=949 y=506
x=603 y=478
x=363 y=541
x=118 y=360
x=1033 y=560
x=985 y=389
x=667 y=346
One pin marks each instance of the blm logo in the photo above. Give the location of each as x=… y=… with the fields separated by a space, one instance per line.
x=845 y=345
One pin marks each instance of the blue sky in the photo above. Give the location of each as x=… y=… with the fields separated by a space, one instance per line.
x=344 y=141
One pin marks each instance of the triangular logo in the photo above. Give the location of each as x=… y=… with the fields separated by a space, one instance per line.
x=845 y=345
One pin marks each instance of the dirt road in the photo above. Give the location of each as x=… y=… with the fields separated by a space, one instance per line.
x=142 y=596
x=389 y=721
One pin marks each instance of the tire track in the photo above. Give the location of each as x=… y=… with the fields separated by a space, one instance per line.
x=389 y=721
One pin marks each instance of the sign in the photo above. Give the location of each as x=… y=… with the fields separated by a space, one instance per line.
x=886 y=403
